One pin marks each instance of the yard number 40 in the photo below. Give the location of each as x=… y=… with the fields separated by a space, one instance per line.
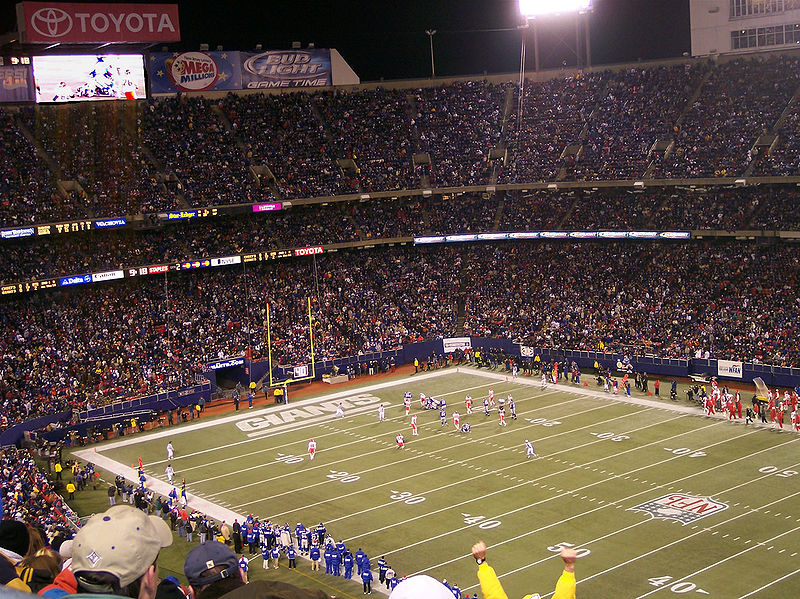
x=679 y=587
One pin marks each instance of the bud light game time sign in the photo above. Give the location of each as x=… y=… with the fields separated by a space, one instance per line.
x=286 y=68
x=194 y=71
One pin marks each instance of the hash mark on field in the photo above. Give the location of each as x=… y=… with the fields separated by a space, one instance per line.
x=725 y=536
x=782 y=550
x=787 y=517
x=737 y=538
x=795 y=553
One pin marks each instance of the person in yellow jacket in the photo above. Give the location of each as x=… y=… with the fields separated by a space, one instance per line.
x=492 y=589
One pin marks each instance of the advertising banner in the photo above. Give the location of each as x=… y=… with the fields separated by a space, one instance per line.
x=194 y=71
x=729 y=369
x=71 y=22
x=16 y=84
x=450 y=344
x=229 y=363
x=286 y=68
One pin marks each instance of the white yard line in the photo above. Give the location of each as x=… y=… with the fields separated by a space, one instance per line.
x=570 y=492
x=450 y=465
x=247 y=414
x=390 y=448
x=637 y=524
x=221 y=513
x=730 y=557
x=766 y=586
x=320 y=448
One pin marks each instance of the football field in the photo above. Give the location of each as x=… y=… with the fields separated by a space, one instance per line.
x=657 y=499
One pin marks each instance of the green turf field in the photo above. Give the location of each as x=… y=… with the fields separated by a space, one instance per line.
x=658 y=501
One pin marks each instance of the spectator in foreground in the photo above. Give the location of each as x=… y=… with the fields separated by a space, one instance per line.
x=421 y=586
x=492 y=589
x=116 y=553
x=212 y=570
x=14 y=541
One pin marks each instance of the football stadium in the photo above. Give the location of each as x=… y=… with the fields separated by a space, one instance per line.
x=511 y=335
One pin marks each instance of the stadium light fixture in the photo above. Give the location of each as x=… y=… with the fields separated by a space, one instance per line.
x=431 y=33
x=535 y=8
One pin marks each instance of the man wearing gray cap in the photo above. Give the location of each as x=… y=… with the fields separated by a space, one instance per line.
x=116 y=553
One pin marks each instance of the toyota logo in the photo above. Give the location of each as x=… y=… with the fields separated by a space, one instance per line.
x=51 y=22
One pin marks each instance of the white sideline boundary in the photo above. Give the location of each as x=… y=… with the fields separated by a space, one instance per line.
x=210 y=508
x=220 y=513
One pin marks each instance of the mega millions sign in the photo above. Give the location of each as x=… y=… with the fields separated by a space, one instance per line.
x=194 y=71
x=69 y=22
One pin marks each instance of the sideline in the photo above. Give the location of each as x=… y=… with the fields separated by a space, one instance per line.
x=639 y=401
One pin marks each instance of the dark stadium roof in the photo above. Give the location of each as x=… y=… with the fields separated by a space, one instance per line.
x=388 y=40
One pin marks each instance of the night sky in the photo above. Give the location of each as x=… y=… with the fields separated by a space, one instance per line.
x=386 y=39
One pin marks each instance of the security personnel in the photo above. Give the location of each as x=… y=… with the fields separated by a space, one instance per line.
x=348 y=565
x=237 y=536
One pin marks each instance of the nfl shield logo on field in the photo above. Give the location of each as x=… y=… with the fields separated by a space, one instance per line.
x=681 y=507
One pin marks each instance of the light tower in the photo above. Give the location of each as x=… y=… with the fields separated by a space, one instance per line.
x=431 y=33
x=533 y=12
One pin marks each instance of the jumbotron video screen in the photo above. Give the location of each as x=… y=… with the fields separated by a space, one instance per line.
x=71 y=78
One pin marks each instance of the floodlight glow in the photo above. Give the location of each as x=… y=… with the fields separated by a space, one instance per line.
x=534 y=8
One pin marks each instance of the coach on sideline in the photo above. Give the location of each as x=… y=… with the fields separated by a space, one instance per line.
x=492 y=589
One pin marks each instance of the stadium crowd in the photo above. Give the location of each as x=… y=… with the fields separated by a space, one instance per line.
x=741 y=100
x=43 y=544
x=173 y=152
x=668 y=208
x=106 y=162
x=29 y=495
x=730 y=300
x=27 y=191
